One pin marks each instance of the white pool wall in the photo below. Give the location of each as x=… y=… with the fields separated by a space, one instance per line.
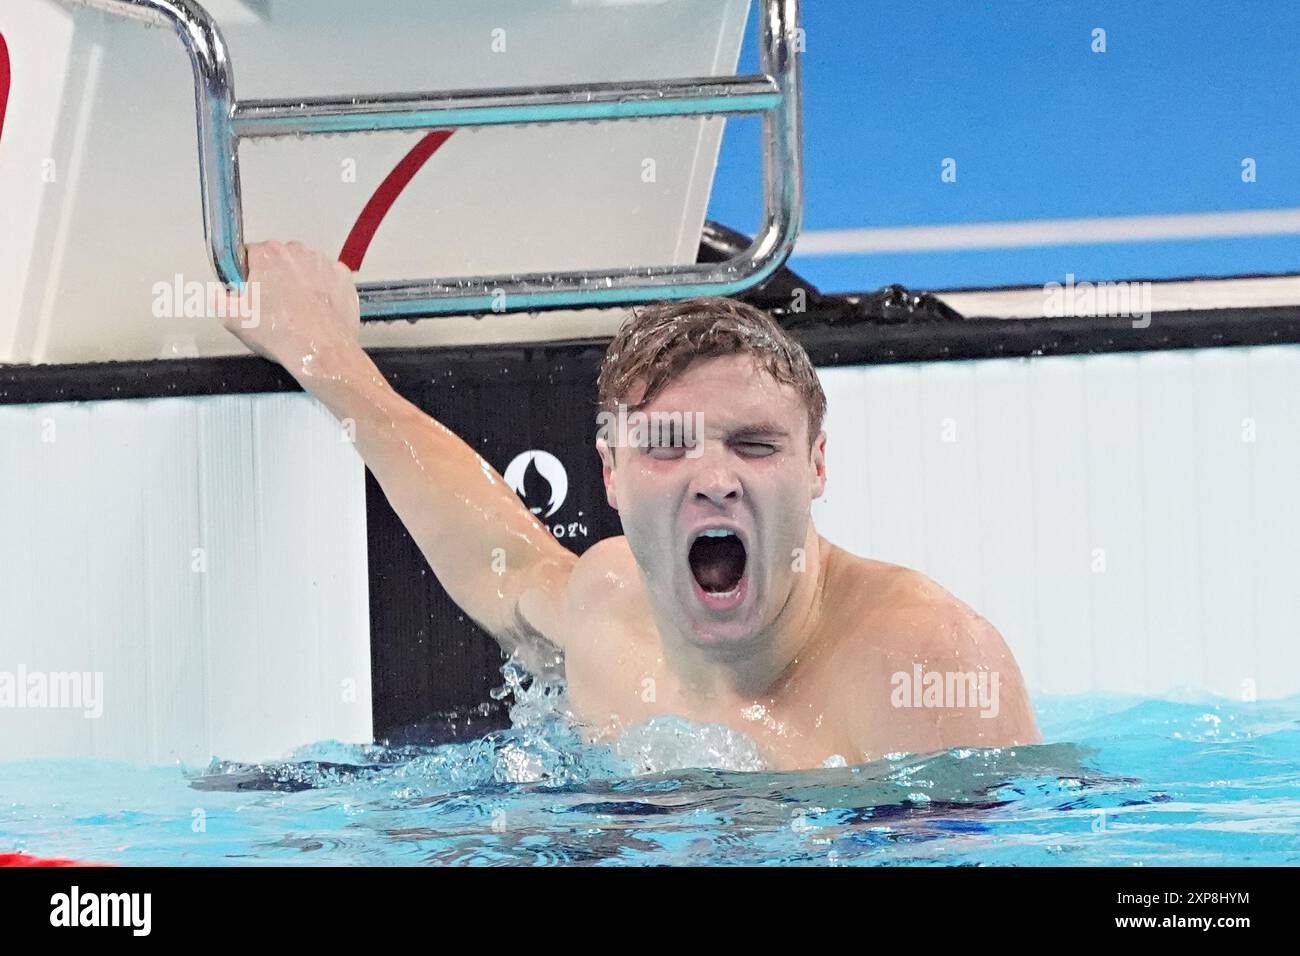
x=1130 y=522
x=205 y=556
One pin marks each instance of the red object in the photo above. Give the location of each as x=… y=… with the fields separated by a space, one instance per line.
x=367 y=224
x=23 y=859
x=4 y=82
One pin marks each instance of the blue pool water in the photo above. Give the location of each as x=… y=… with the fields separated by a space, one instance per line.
x=1129 y=782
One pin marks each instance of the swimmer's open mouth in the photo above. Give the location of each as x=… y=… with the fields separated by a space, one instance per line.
x=717 y=559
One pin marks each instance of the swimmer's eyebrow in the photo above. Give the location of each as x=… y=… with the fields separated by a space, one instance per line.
x=762 y=430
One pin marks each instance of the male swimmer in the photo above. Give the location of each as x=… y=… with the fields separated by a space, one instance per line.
x=720 y=603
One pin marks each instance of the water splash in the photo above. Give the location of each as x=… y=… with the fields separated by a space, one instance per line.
x=1124 y=782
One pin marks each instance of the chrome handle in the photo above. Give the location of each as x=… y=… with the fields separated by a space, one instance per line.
x=222 y=121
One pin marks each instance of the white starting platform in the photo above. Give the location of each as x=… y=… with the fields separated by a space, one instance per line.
x=100 y=177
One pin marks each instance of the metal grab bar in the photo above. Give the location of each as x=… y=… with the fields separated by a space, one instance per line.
x=222 y=121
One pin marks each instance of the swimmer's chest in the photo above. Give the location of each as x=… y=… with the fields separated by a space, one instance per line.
x=619 y=679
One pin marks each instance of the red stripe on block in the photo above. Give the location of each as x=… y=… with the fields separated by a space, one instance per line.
x=367 y=224
x=4 y=82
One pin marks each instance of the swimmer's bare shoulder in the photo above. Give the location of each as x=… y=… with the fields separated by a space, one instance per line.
x=603 y=597
x=610 y=642
x=904 y=620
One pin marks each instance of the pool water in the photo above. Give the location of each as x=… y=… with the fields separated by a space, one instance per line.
x=1120 y=781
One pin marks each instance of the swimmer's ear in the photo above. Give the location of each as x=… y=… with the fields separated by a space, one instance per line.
x=607 y=470
x=817 y=462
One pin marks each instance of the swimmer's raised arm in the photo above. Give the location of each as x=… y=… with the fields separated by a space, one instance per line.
x=496 y=560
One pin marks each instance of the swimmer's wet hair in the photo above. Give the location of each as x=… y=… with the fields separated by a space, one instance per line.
x=661 y=340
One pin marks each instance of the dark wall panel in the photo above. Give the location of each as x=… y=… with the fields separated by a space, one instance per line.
x=432 y=666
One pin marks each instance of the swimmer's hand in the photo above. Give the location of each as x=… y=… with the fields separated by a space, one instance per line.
x=299 y=308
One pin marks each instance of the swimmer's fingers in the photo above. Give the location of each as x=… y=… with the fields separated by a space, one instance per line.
x=272 y=254
x=296 y=301
x=343 y=295
x=264 y=256
x=243 y=317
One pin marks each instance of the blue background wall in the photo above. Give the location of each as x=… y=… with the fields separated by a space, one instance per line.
x=1040 y=127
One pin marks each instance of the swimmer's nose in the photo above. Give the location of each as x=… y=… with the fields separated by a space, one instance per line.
x=716 y=482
